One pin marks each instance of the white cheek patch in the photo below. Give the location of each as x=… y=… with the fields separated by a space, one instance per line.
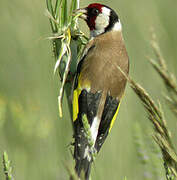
x=101 y=22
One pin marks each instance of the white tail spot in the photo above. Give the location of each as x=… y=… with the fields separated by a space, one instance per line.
x=94 y=128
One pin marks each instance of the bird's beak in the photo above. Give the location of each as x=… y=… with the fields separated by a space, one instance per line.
x=81 y=13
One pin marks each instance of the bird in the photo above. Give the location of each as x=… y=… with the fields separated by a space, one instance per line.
x=99 y=84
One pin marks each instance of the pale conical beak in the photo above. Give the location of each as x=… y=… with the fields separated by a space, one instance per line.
x=82 y=13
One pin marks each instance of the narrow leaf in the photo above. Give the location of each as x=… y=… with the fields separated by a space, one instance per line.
x=63 y=50
x=50 y=10
x=57 y=7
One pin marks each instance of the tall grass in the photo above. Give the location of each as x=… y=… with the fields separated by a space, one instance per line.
x=162 y=135
x=64 y=32
x=29 y=126
x=65 y=29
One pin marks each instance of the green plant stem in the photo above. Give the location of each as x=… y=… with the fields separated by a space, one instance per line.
x=7 y=167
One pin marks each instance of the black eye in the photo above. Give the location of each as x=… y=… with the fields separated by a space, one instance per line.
x=95 y=12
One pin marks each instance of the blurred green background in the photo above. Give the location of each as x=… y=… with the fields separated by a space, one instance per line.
x=30 y=129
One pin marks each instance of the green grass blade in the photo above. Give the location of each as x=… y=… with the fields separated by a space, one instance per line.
x=73 y=21
x=63 y=16
x=65 y=12
x=49 y=7
x=50 y=10
x=57 y=7
x=72 y=8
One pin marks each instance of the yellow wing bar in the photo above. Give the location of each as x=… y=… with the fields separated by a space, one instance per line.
x=114 y=117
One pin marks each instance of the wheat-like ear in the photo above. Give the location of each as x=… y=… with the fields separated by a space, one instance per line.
x=155 y=114
x=161 y=133
x=66 y=35
x=68 y=42
x=168 y=78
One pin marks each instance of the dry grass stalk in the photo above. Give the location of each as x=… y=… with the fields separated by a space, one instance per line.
x=155 y=114
x=168 y=78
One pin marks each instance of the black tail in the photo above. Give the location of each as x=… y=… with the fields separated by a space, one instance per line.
x=82 y=152
x=83 y=167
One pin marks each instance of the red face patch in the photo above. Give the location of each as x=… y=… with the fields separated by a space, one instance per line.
x=93 y=11
x=97 y=6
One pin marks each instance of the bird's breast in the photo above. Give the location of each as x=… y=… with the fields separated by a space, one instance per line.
x=100 y=68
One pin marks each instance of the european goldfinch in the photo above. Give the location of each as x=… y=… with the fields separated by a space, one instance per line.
x=99 y=84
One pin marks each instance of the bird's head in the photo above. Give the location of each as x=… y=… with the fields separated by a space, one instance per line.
x=100 y=19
